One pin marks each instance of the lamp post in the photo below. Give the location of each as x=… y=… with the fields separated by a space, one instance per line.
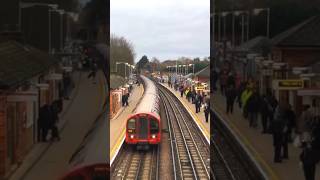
x=27 y=5
x=192 y=67
x=125 y=64
x=61 y=12
x=258 y=11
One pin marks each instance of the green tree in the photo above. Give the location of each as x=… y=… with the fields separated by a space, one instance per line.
x=142 y=62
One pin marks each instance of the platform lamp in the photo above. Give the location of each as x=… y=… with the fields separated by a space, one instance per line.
x=192 y=68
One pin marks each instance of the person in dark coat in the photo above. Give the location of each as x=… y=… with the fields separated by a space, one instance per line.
x=181 y=90
x=193 y=96
x=291 y=122
x=54 y=111
x=43 y=122
x=310 y=155
x=230 y=97
x=207 y=111
x=264 y=111
x=253 y=109
x=231 y=80
x=272 y=105
x=279 y=131
x=127 y=99
x=198 y=101
x=123 y=100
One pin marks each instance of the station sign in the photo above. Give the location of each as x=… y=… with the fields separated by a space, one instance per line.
x=200 y=88
x=288 y=84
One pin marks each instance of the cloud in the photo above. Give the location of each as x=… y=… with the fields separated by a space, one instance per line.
x=164 y=29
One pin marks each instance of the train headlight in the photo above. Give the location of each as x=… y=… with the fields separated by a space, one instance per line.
x=153 y=136
x=131 y=136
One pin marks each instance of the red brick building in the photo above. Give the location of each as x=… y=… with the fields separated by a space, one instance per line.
x=25 y=84
x=296 y=47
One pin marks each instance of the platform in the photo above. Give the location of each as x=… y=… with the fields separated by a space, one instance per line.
x=199 y=118
x=260 y=146
x=117 y=124
x=51 y=160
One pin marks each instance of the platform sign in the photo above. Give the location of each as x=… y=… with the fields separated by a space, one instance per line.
x=288 y=84
x=200 y=88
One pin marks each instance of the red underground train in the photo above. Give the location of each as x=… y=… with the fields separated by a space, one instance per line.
x=144 y=125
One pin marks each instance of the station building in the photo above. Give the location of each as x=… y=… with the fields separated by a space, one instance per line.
x=29 y=78
x=285 y=65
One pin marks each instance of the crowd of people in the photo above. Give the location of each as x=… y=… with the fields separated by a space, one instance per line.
x=277 y=118
x=195 y=97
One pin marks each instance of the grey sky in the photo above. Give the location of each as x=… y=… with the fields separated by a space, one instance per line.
x=166 y=29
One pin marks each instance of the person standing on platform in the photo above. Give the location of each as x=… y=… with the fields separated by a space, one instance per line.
x=66 y=85
x=43 y=123
x=193 y=96
x=198 y=102
x=291 y=122
x=181 y=90
x=230 y=97
x=207 y=110
x=272 y=105
x=310 y=155
x=253 y=108
x=264 y=114
x=223 y=81
x=279 y=131
x=230 y=80
x=54 y=121
x=123 y=99
x=127 y=99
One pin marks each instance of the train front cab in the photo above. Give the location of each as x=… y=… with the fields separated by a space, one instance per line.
x=143 y=128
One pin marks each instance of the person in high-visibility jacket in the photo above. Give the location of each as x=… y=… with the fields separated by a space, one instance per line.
x=244 y=99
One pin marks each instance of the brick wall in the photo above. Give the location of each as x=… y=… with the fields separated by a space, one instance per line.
x=298 y=57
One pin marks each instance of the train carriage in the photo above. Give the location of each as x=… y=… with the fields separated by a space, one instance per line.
x=144 y=125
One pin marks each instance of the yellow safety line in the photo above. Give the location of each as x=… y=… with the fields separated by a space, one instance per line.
x=197 y=119
x=118 y=143
x=248 y=144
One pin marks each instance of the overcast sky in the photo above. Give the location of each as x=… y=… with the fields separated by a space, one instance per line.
x=166 y=29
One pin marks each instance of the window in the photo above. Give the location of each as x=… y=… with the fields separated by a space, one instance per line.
x=131 y=124
x=154 y=126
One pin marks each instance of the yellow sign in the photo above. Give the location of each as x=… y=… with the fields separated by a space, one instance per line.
x=200 y=88
x=289 y=84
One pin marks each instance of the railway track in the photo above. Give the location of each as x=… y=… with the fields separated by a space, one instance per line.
x=189 y=150
x=230 y=161
x=135 y=165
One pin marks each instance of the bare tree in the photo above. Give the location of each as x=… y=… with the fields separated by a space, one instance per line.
x=121 y=50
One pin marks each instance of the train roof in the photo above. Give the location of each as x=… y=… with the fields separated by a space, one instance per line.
x=150 y=102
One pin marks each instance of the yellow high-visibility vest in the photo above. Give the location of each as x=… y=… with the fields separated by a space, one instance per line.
x=245 y=96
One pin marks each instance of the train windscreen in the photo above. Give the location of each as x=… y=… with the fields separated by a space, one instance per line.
x=154 y=126
x=131 y=125
x=143 y=131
